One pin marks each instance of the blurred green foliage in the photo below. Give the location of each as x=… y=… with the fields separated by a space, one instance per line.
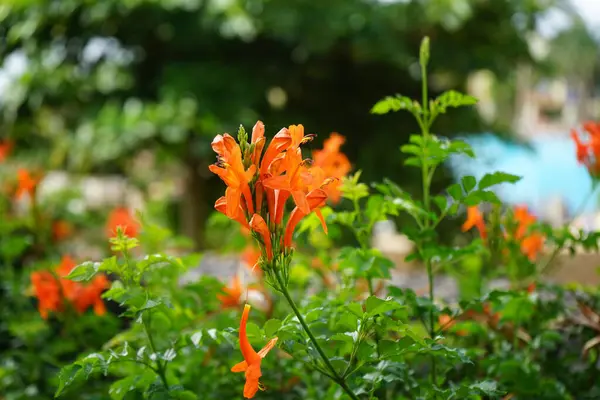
x=104 y=80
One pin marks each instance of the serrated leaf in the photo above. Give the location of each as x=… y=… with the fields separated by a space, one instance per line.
x=452 y=98
x=66 y=377
x=395 y=103
x=496 y=178
x=377 y=306
x=84 y=271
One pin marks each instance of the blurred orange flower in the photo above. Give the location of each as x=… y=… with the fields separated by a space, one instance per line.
x=230 y=298
x=61 y=230
x=252 y=359
x=53 y=291
x=334 y=163
x=475 y=219
x=26 y=183
x=588 y=153
x=121 y=217
x=532 y=243
x=250 y=257
x=5 y=149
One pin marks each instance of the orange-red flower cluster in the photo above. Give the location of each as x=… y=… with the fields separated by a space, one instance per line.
x=531 y=243
x=334 y=164
x=588 y=151
x=260 y=179
x=121 y=217
x=54 y=292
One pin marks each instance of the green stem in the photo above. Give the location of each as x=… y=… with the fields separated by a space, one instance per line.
x=160 y=367
x=426 y=176
x=334 y=374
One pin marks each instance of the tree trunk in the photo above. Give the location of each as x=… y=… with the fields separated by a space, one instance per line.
x=194 y=210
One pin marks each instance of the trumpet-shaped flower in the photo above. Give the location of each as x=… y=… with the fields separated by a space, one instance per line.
x=252 y=359
x=258 y=225
x=230 y=168
x=315 y=199
x=475 y=219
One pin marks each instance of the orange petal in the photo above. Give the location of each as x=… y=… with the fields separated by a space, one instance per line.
x=265 y=350
x=301 y=201
x=258 y=225
x=240 y=367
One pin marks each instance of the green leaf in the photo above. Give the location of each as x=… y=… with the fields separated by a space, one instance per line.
x=66 y=377
x=453 y=99
x=253 y=330
x=137 y=382
x=460 y=147
x=468 y=183
x=352 y=189
x=455 y=191
x=271 y=327
x=441 y=202
x=345 y=342
x=84 y=272
x=368 y=263
x=496 y=178
x=87 y=270
x=395 y=103
x=157 y=261
x=377 y=306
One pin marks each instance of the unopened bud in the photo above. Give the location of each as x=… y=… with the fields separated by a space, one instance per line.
x=424 y=52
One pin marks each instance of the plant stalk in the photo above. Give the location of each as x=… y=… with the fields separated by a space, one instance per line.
x=334 y=374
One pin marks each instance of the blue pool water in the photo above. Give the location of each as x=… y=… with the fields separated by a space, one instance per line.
x=548 y=167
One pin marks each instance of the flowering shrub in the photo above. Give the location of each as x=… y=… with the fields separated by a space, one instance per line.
x=325 y=317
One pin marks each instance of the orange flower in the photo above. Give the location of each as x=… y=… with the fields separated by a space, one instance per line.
x=230 y=168
x=258 y=225
x=52 y=292
x=61 y=230
x=47 y=291
x=121 y=217
x=5 y=149
x=588 y=154
x=282 y=173
x=475 y=219
x=233 y=294
x=250 y=257
x=27 y=184
x=334 y=164
x=315 y=199
x=252 y=359
x=280 y=142
x=293 y=183
x=298 y=138
x=239 y=216
x=258 y=140
x=531 y=243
